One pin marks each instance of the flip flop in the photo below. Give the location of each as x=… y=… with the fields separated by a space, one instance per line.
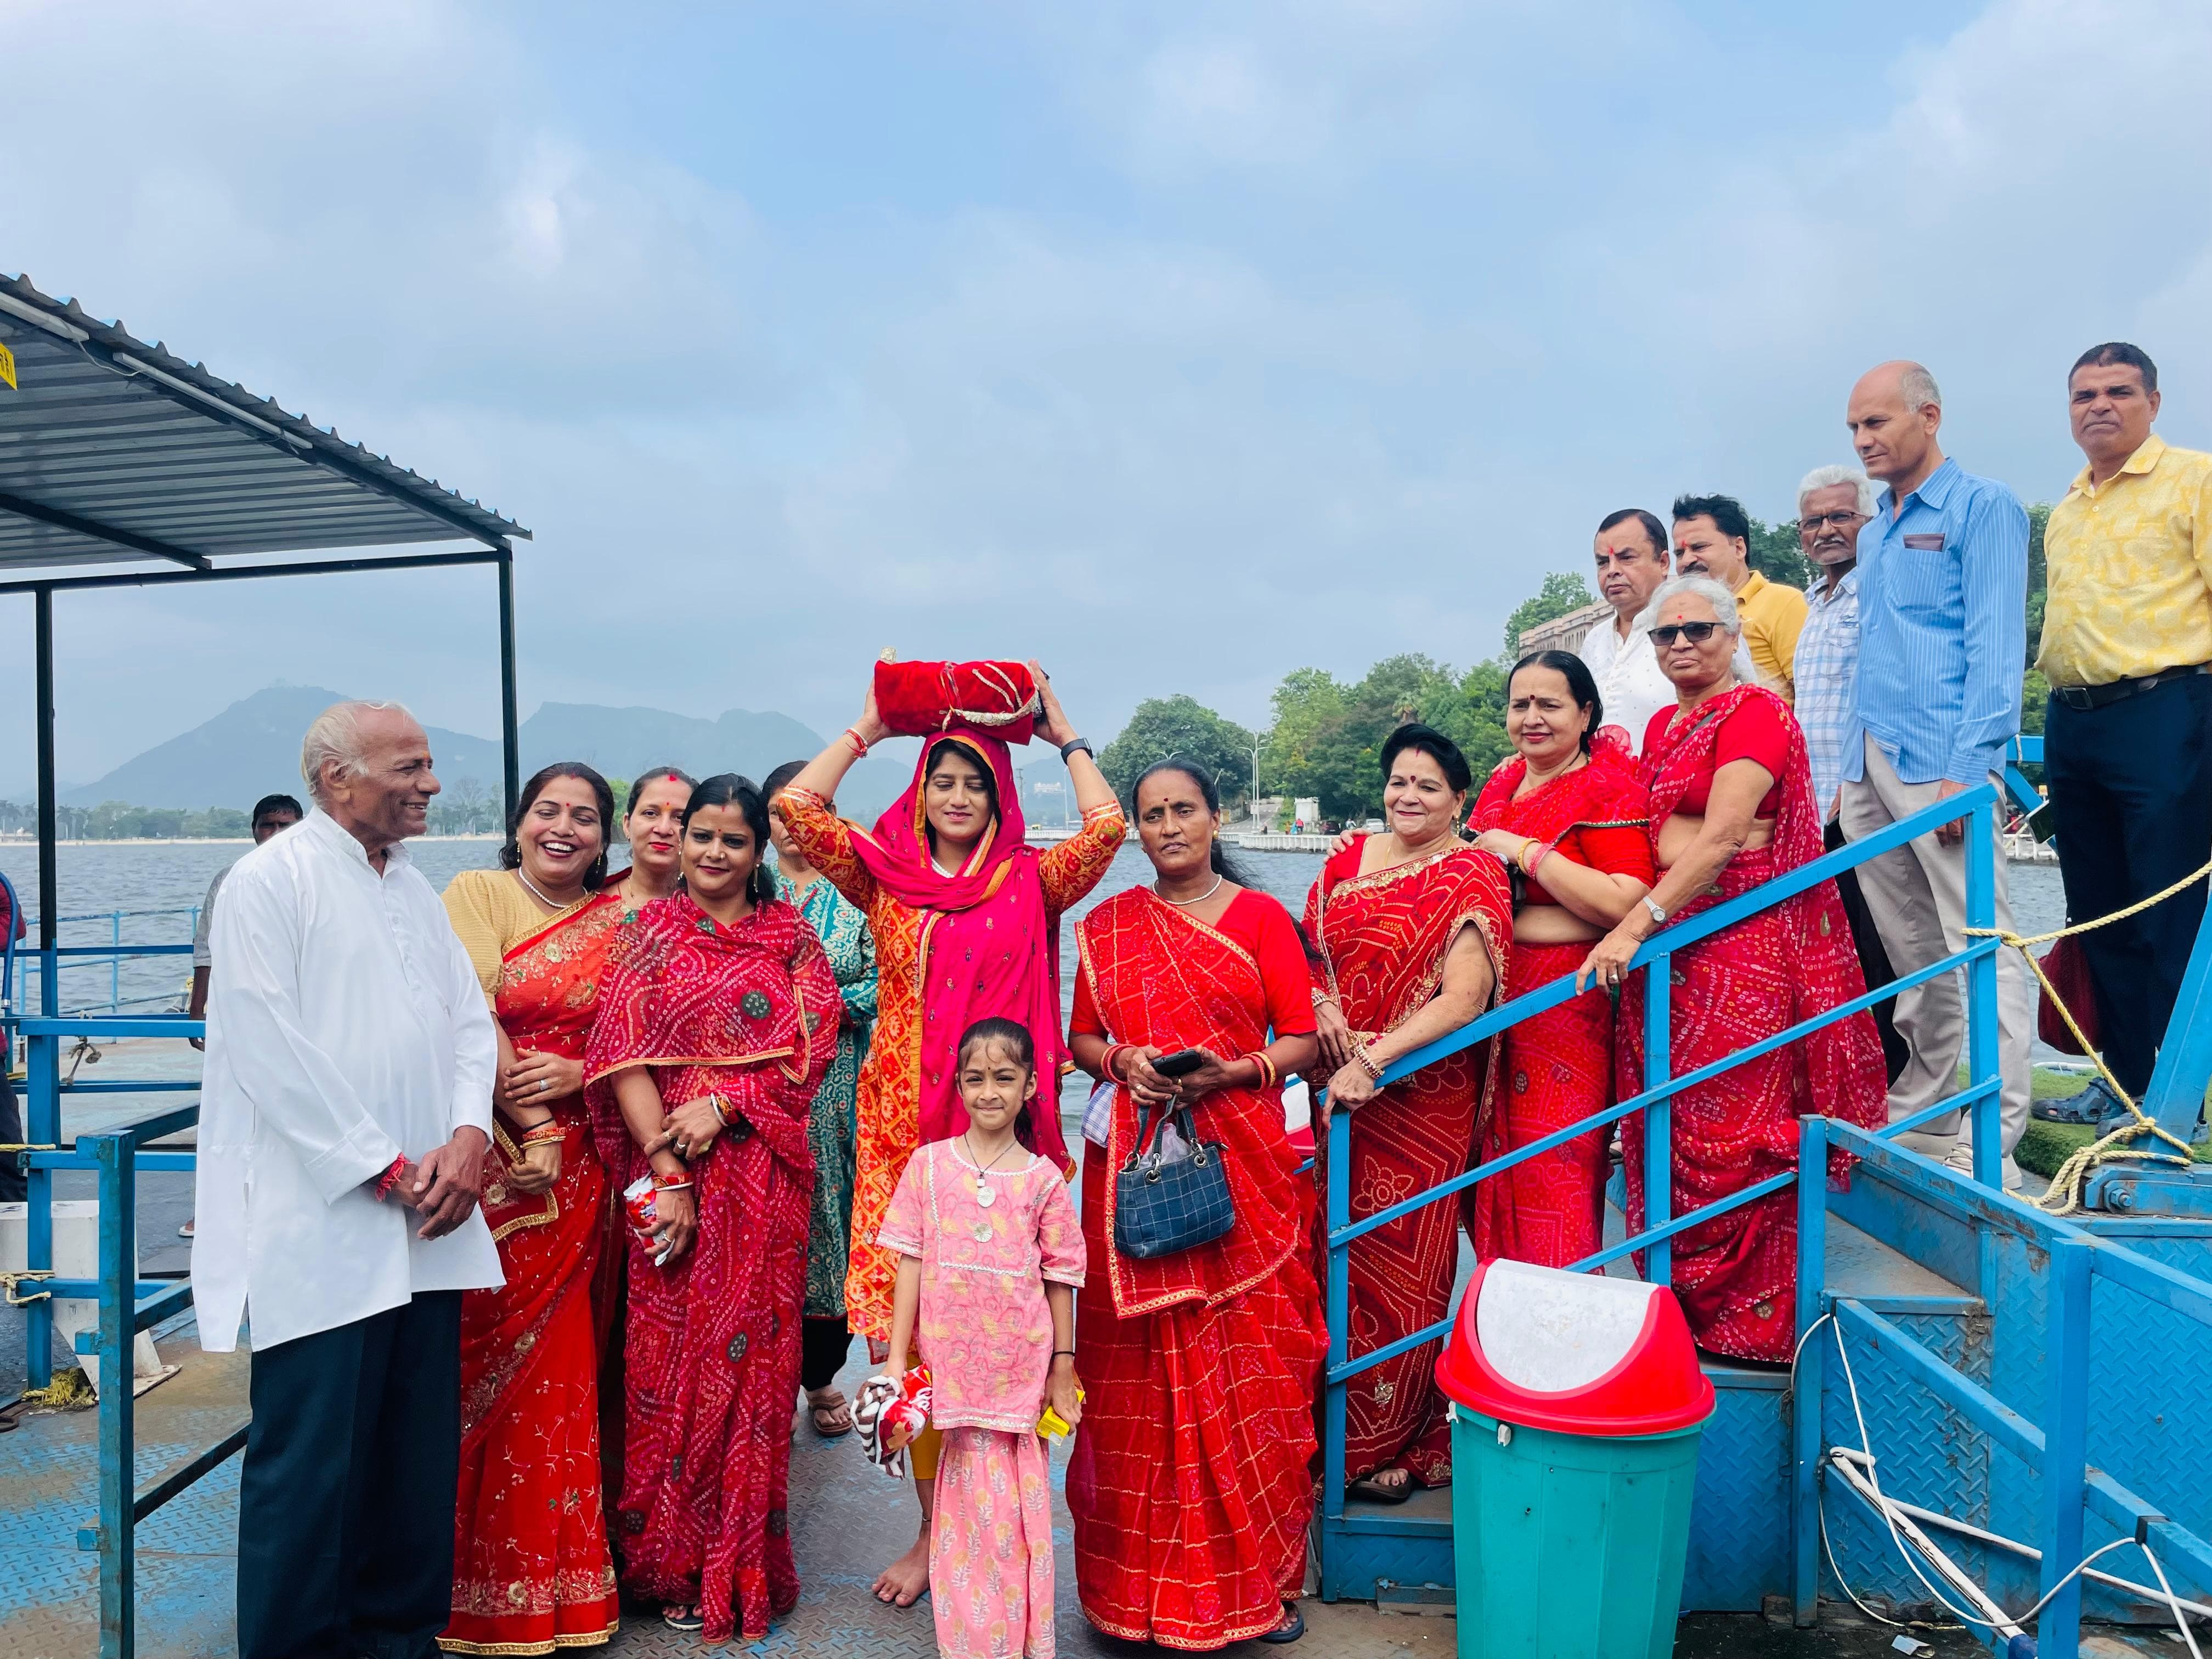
x=684 y=1619
x=836 y=1431
x=1282 y=1635
x=1366 y=1488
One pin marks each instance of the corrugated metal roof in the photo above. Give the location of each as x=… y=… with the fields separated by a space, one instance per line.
x=112 y=448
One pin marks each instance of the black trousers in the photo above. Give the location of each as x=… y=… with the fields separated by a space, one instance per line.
x=2131 y=801
x=345 y=1505
x=1873 y=960
x=823 y=1346
x=15 y=1185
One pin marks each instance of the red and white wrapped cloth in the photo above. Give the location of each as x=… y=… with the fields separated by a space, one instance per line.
x=890 y=1414
x=914 y=699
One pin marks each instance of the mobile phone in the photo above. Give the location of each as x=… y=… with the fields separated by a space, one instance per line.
x=1180 y=1063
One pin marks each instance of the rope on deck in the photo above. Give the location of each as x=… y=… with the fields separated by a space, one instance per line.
x=2064 y=1196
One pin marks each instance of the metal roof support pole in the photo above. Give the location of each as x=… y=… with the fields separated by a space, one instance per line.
x=510 y=744
x=49 y=907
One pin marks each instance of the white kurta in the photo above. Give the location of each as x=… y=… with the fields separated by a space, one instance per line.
x=1630 y=681
x=345 y=1029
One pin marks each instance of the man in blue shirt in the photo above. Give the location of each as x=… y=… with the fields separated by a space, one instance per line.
x=1942 y=636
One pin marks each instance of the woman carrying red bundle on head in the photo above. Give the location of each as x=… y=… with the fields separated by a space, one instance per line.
x=965 y=916
x=1566 y=814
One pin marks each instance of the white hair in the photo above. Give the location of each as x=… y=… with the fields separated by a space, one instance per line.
x=1713 y=592
x=335 y=735
x=1919 y=387
x=1827 y=477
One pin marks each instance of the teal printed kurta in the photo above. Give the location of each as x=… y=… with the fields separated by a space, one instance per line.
x=852 y=951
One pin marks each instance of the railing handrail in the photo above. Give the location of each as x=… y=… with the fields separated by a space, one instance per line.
x=1703 y=926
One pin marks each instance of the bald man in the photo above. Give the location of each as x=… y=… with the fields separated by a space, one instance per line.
x=1942 y=635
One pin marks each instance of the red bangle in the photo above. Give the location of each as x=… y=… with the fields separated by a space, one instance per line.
x=663 y=1183
x=860 y=744
x=1268 y=1074
x=1106 y=1062
x=390 y=1178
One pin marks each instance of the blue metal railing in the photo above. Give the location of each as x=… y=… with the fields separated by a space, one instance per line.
x=112 y=954
x=128 y=1304
x=2057 y=1449
x=1979 y=805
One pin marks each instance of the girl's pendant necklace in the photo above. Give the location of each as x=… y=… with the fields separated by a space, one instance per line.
x=986 y=1194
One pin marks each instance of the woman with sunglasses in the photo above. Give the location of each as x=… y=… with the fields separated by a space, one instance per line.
x=1732 y=807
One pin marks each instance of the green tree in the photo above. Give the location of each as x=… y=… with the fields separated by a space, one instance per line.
x=1185 y=728
x=1562 y=591
x=1778 y=555
x=1328 y=736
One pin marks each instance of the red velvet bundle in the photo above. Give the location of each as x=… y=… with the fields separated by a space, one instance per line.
x=916 y=698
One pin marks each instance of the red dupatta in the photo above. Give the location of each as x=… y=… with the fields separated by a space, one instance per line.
x=987 y=946
x=1384 y=936
x=737 y=1013
x=1162 y=977
x=1606 y=794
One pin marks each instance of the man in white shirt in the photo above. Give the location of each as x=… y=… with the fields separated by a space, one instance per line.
x=1631 y=561
x=344 y=1113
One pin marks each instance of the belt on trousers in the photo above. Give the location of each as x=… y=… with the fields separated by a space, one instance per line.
x=2096 y=697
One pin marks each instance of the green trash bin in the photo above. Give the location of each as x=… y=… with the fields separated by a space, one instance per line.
x=1577 y=1402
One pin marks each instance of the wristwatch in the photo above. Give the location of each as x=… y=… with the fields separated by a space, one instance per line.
x=1075 y=744
x=1658 y=916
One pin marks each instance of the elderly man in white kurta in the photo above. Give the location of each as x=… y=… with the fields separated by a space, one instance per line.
x=345 y=1113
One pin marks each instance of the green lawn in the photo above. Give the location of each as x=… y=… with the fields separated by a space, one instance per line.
x=2047 y=1146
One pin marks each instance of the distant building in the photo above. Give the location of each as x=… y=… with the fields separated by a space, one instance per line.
x=1565 y=633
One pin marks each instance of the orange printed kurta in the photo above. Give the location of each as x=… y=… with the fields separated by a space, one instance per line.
x=890 y=1080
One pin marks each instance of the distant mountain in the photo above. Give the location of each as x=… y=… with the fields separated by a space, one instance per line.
x=253 y=748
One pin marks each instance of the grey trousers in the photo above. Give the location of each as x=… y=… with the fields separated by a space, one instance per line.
x=1917 y=895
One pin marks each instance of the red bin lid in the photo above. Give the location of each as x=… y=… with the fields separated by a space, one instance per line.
x=1580 y=1353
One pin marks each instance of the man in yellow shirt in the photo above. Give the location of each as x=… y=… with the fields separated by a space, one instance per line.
x=2127 y=644
x=1712 y=537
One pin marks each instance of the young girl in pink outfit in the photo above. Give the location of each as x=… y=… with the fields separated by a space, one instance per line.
x=990 y=1255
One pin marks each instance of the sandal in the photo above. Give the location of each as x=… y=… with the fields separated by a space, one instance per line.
x=835 y=1408
x=683 y=1618
x=1293 y=1627
x=1374 y=1491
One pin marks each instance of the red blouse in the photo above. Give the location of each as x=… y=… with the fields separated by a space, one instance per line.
x=1616 y=850
x=1753 y=732
x=1264 y=929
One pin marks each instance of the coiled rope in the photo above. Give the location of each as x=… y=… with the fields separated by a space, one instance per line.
x=2064 y=1195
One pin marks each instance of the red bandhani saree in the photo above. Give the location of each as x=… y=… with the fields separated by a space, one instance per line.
x=1200 y=1367
x=1557 y=1069
x=1735 y=1275
x=749 y=1015
x=1384 y=938
x=531 y=1569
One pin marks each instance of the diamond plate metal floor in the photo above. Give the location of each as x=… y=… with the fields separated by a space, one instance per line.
x=847 y=1521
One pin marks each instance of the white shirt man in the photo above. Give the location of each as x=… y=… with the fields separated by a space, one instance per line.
x=344 y=1112
x=1630 y=549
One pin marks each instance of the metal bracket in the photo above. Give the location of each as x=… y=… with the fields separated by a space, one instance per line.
x=2150 y=1189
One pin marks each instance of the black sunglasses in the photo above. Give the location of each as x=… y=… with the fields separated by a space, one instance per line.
x=1664 y=635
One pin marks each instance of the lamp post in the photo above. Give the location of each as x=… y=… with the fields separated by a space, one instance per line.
x=1259 y=742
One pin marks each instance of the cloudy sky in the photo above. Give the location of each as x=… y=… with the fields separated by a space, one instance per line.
x=1179 y=345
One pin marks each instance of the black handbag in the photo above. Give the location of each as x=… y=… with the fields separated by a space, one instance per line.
x=1163 y=1204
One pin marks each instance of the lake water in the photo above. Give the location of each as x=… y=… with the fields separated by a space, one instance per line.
x=162 y=882
x=173 y=877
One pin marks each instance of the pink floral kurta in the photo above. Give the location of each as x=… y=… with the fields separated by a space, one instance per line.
x=986 y=1331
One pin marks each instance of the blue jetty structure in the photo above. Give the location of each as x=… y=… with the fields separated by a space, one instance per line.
x=1988 y=1396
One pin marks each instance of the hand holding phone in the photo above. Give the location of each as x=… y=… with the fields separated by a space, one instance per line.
x=1182 y=1063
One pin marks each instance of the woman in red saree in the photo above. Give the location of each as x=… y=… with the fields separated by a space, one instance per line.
x=531 y=1567
x=1732 y=806
x=1415 y=931
x=1200 y=1367
x=717 y=1020
x=966 y=918
x=1566 y=814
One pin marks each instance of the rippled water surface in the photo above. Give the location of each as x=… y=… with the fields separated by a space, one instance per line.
x=145 y=876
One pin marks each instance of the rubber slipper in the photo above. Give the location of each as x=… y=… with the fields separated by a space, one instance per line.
x=684 y=1619
x=1282 y=1635
x=1366 y=1488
